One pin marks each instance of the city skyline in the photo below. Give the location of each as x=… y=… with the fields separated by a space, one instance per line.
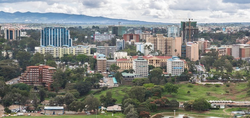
x=165 y=11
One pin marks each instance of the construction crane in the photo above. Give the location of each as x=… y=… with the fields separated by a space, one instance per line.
x=189 y=28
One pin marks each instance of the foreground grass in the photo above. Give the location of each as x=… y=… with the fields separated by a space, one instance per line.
x=108 y=115
x=214 y=113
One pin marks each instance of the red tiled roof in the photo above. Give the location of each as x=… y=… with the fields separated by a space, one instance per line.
x=122 y=60
x=148 y=57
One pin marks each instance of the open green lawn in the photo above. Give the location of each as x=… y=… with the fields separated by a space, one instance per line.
x=117 y=92
x=109 y=115
x=236 y=91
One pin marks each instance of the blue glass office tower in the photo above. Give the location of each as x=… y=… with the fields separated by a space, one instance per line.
x=55 y=36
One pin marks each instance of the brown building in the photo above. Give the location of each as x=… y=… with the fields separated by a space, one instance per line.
x=101 y=64
x=12 y=34
x=129 y=37
x=38 y=75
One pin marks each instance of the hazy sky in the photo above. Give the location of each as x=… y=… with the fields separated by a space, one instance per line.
x=145 y=10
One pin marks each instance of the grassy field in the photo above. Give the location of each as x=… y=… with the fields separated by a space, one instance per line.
x=118 y=93
x=236 y=91
x=109 y=115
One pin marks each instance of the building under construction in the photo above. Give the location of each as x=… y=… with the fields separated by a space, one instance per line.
x=189 y=31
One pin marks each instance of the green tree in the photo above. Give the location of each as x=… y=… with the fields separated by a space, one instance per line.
x=83 y=87
x=51 y=63
x=132 y=113
x=171 y=88
x=37 y=59
x=157 y=74
x=114 y=68
x=69 y=98
x=91 y=102
x=137 y=92
x=42 y=94
x=201 y=104
x=23 y=59
x=76 y=106
x=59 y=100
x=7 y=100
x=82 y=58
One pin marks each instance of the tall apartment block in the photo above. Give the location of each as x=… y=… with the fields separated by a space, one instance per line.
x=189 y=31
x=175 y=66
x=120 y=44
x=192 y=51
x=161 y=43
x=55 y=36
x=38 y=75
x=12 y=34
x=129 y=37
x=117 y=30
x=140 y=67
x=173 y=31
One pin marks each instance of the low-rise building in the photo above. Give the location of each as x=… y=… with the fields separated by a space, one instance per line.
x=101 y=65
x=175 y=66
x=120 y=55
x=106 y=50
x=59 y=52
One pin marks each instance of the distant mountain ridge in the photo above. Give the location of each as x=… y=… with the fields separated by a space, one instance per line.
x=31 y=17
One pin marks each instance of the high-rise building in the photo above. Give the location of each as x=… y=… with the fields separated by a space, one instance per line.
x=161 y=43
x=173 y=31
x=192 y=51
x=129 y=37
x=176 y=47
x=12 y=34
x=106 y=50
x=189 y=31
x=55 y=36
x=120 y=44
x=38 y=75
x=175 y=66
x=140 y=67
x=117 y=30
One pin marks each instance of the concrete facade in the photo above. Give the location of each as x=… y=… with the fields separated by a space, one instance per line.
x=140 y=67
x=106 y=50
x=59 y=52
x=175 y=66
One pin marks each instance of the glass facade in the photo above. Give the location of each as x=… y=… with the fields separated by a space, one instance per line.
x=55 y=36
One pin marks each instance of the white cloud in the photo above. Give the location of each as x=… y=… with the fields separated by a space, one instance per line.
x=146 y=10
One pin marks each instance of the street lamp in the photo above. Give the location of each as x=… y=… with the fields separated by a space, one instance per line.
x=174 y=113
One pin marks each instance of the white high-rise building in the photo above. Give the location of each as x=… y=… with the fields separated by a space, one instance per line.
x=140 y=67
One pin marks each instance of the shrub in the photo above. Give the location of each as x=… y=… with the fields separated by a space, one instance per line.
x=188 y=92
x=51 y=94
x=227 y=91
x=104 y=88
x=208 y=93
x=227 y=85
x=248 y=93
x=190 y=85
x=217 y=85
x=7 y=110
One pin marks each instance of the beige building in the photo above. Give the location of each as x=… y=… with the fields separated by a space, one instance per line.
x=101 y=65
x=156 y=61
x=164 y=44
x=192 y=51
x=176 y=47
x=59 y=52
